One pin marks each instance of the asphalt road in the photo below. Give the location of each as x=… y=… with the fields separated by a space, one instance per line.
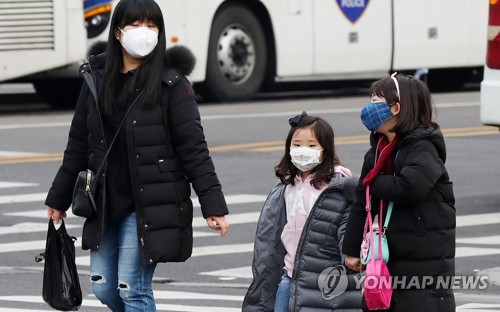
x=246 y=141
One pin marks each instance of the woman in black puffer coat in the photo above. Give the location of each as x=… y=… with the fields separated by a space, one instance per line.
x=421 y=232
x=144 y=211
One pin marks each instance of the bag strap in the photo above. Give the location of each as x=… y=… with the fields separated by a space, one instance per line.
x=116 y=135
x=388 y=215
x=370 y=226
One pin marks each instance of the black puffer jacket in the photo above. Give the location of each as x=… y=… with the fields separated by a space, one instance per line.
x=167 y=151
x=421 y=233
x=318 y=249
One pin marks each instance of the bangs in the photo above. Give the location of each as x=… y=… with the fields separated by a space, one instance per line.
x=384 y=88
x=142 y=11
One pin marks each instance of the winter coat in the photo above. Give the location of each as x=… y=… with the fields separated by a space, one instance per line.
x=166 y=152
x=319 y=248
x=421 y=232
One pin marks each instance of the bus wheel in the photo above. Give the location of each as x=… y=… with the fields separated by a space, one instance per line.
x=237 y=60
x=59 y=92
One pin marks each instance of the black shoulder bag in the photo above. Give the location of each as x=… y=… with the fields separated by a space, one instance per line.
x=84 y=204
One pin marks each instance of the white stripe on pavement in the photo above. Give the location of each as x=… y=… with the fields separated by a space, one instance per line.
x=480 y=240
x=22 y=198
x=29 y=245
x=461 y=252
x=237 y=199
x=30 y=227
x=237 y=218
x=14 y=153
x=36 y=125
x=4 y=184
x=197 y=252
x=98 y=304
x=242 y=272
x=22 y=310
x=230 y=199
x=163 y=294
x=478 y=219
x=478 y=307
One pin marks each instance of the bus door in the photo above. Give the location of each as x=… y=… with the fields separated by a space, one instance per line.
x=353 y=38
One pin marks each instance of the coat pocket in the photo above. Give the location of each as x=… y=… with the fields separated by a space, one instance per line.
x=168 y=164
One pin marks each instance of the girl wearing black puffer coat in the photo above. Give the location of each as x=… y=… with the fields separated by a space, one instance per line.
x=410 y=171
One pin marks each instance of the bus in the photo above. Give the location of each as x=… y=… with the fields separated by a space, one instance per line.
x=242 y=46
x=490 y=86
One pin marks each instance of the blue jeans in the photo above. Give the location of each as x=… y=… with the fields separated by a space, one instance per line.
x=118 y=277
x=282 y=303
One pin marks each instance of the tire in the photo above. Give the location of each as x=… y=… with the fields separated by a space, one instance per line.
x=59 y=92
x=447 y=80
x=237 y=56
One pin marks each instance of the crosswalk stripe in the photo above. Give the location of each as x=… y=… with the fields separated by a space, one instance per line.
x=230 y=199
x=22 y=310
x=478 y=219
x=233 y=219
x=5 y=184
x=22 y=198
x=197 y=251
x=164 y=294
x=480 y=240
x=40 y=244
x=461 y=252
x=12 y=153
x=252 y=217
x=478 y=307
x=98 y=304
x=30 y=227
x=29 y=245
x=241 y=272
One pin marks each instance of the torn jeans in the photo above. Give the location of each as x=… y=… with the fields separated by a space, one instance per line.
x=118 y=277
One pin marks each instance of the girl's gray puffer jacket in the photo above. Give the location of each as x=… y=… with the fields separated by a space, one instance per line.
x=319 y=248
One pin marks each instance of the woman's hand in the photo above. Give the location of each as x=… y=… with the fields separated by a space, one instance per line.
x=353 y=263
x=55 y=214
x=218 y=224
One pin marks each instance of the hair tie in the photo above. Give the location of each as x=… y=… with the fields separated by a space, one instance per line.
x=294 y=121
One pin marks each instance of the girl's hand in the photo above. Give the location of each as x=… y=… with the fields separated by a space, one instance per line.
x=55 y=214
x=353 y=263
x=218 y=224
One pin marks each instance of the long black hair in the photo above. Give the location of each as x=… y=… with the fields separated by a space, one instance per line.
x=415 y=102
x=148 y=75
x=323 y=132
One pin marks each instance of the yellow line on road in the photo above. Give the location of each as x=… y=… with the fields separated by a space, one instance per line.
x=32 y=158
x=269 y=146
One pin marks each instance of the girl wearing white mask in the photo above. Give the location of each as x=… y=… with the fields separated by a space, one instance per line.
x=137 y=126
x=300 y=230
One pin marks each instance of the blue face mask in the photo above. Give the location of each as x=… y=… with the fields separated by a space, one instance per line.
x=374 y=115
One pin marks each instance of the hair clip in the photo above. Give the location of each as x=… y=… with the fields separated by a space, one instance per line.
x=294 y=121
x=393 y=77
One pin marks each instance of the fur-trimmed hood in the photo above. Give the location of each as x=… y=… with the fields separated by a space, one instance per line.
x=177 y=57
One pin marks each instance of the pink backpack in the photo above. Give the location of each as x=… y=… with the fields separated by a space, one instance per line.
x=378 y=283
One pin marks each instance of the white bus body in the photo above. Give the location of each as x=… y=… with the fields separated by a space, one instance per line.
x=242 y=45
x=321 y=39
x=38 y=36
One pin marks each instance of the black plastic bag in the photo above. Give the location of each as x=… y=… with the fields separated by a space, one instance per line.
x=61 y=286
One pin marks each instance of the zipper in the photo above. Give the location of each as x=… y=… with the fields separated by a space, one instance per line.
x=298 y=252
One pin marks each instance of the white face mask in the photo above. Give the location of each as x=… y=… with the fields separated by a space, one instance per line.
x=305 y=158
x=139 y=42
